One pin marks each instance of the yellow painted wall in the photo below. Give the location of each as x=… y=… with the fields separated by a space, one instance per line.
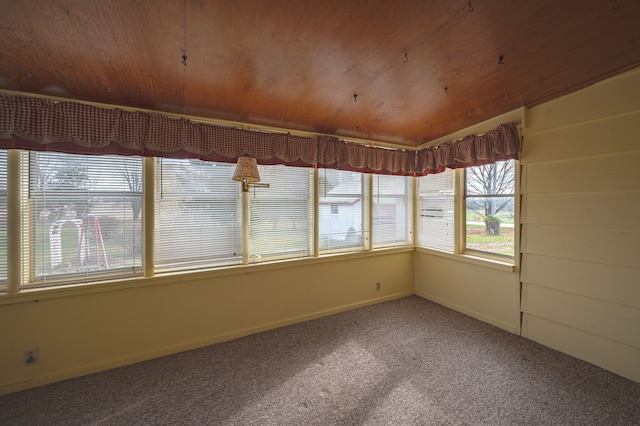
x=483 y=291
x=581 y=224
x=488 y=291
x=580 y=241
x=88 y=329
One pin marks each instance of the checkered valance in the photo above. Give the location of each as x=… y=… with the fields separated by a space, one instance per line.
x=502 y=143
x=39 y=124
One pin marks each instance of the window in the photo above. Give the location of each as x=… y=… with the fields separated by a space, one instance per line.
x=486 y=204
x=81 y=218
x=343 y=229
x=198 y=214
x=436 y=219
x=489 y=206
x=392 y=224
x=281 y=216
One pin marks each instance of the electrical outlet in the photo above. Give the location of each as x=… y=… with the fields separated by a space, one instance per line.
x=31 y=356
x=378 y=285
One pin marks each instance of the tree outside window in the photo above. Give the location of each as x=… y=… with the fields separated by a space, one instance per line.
x=489 y=206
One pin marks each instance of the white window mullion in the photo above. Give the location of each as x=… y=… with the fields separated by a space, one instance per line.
x=246 y=223
x=148 y=211
x=460 y=213
x=316 y=213
x=367 y=212
x=410 y=211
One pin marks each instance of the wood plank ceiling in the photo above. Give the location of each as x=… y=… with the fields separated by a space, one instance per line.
x=397 y=71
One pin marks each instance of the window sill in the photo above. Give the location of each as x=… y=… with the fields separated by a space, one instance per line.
x=475 y=260
x=37 y=294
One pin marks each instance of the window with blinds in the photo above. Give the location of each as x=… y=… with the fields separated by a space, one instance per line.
x=3 y=219
x=436 y=224
x=198 y=211
x=280 y=218
x=340 y=201
x=81 y=218
x=392 y=224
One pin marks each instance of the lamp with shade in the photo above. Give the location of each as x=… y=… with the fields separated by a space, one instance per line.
x=247 y=173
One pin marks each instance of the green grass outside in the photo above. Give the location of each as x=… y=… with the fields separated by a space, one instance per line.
x=478 y=239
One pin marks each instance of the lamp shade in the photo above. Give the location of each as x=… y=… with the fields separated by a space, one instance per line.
x=246 y=170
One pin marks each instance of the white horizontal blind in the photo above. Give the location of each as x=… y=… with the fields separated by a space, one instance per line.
x=436 y=225
x=391 y=203
x=198 y=219
x=82 y=218
x=340 y=209
x=280 y=222
x=3 y=219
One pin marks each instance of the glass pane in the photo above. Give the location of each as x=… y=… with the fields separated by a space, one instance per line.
x=491 y=179
x=493 y=233
x=198 y=214
x=281 y=215
x=391 y=211
x=490 y=208
x=436 y=225
x=85 y=214
x=340 y=206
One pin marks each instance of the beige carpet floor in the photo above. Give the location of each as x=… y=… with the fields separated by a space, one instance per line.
x=403 y=362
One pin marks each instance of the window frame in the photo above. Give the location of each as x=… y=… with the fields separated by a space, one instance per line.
x=264 y=199
x=408 y=199
x=25 y=200
x=460 y=227
x=17 y=277
x=363 y=198
x=462 y=241
x=168 y=203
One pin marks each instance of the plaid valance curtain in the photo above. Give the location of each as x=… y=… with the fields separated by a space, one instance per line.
x=43 y=125
x=502 y=143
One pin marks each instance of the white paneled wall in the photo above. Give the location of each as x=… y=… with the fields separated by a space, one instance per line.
x=580 y=217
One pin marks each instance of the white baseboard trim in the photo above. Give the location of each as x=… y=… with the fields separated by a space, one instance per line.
x=170 y=350
x=512 y=328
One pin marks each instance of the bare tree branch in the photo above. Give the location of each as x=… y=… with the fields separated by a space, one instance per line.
x=483 y=183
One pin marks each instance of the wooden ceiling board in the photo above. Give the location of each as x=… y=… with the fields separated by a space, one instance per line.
x=298 y=64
